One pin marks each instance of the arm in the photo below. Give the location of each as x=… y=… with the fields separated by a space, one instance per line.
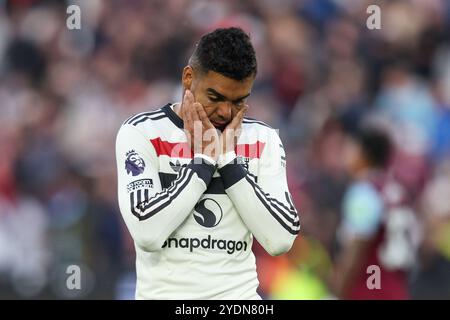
x=362 y=212
x=150 y=212
x=264 y=205
x=348 y=266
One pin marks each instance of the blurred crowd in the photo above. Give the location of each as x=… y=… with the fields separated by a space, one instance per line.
x=64 y=94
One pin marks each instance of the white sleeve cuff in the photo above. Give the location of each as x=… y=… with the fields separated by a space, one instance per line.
x=226 y=158
x=205 y=157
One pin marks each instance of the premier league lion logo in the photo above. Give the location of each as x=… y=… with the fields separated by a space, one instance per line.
x=134 y=163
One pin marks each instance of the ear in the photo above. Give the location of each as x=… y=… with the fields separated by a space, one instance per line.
x=187 y=78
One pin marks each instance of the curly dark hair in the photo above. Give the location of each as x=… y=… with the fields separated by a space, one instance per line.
x=376 y=146
x=227 y=51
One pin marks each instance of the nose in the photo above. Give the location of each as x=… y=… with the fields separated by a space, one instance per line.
x=224 y=111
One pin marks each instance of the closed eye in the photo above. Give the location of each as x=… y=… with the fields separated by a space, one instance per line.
x=215 y=99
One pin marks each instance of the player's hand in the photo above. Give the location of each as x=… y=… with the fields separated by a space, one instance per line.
x=229 y=137
x=202 y=135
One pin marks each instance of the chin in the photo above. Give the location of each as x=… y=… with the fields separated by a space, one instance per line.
x=220 y=128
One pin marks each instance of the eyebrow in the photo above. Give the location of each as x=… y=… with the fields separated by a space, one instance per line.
x=221 y=96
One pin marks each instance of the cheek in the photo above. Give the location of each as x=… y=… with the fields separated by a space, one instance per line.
x=209 y=110
x=204 y=101
x=208 y=106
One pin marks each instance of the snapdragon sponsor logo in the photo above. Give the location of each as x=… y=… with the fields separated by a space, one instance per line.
x=205 y=217
x=230 y=246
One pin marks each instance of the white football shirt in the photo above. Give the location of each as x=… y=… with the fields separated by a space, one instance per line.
x=193 y=223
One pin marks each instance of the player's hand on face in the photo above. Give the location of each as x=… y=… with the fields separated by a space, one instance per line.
x=230 y=135
x=202 y=135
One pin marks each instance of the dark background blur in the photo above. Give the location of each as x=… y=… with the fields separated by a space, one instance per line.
x=64 y=94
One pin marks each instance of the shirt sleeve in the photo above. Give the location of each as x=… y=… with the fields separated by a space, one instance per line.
x=362 y=211
x=264 y=202
x=152 y=213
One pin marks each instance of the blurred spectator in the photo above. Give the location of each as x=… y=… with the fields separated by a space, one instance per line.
x=378 y=227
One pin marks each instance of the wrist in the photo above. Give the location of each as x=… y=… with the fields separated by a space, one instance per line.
x=206 y=157
x=226 y=158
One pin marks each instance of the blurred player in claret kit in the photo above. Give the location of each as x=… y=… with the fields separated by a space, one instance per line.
x=197 y=180
x=379 y=228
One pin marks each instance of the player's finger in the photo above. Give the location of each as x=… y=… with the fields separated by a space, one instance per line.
x=239 y=126
x=183 y=106
x=195 y=109
x=237 y=120
x=203 y=116
x=242 y=115
x=189 y=97
x=187 y=105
